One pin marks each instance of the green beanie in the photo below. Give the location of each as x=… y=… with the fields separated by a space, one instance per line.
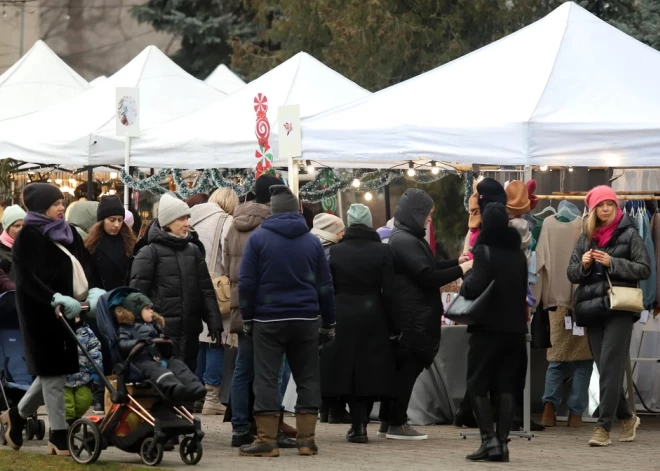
x=359 y=214
x=135 y=302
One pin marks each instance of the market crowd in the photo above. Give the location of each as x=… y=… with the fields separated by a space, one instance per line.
x=250 y=293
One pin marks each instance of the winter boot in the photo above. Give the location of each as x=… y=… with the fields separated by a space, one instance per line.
x=286 y=429
x=266 y=443
x=574 y=420
x=306 y=425
x=98 y=395
x=549 y=418
x=490 y=448
x=464 y=415
x=504 y=423
x=324 y=412
x=57 y=443
x=358 y=431
x=14 y=425
x=337 y=414
x=212 y=404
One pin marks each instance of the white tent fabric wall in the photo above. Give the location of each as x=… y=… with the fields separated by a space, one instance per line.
x=81 y=131
x=38 y=80
x=567 y=90
x=223 y=134
x=98 y=80
x=225 y=80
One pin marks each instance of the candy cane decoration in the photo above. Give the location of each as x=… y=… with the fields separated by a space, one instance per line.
x=262 y=131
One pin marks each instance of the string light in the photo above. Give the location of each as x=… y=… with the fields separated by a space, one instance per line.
x=543 y=168
x=356 y=183
x=310 y=166
x=368 y=196
x=113 y=175
x=434 y=168
x=411 y=169
x=570 y=169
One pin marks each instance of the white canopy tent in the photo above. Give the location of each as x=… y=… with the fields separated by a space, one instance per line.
x=97 y=80
x=225 y=80
x=38 y=80
x=223 y=134
x=81 y=131
x=567 y=90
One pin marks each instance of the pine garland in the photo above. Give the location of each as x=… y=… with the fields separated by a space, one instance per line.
x=468 y=189
x=144 y=182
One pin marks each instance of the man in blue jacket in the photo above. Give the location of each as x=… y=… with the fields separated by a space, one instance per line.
x=283 y=286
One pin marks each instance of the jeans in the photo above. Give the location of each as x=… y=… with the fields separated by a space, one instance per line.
x=210 y=362
x=283 y=380
x=240 y=386
x=578 y=397
x=48 y=391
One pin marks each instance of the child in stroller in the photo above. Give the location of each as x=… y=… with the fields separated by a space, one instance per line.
x=137 y=321
x=144 y=415
x=77 y=389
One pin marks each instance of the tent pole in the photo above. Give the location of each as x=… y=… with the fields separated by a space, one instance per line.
x=293 y=176
x=127 y=163
x=90 y=183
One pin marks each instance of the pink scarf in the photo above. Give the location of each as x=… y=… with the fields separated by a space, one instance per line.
x=603 y=234
x=6 y=239
x=474 y=235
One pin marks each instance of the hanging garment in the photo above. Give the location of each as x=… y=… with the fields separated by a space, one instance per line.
x=648 y=286
x=655 y=237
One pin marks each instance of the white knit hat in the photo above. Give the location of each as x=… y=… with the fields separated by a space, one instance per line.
x=327 y=226
x=171 y=208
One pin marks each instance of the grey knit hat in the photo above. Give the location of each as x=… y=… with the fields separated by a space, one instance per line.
x=327 y=227
x=359 y=214
x=282 y=200
x=171 y=208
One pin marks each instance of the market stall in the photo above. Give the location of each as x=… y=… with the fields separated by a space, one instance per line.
x=225 y=80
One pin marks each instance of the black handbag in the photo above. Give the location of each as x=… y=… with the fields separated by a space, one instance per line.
x=540 y=329
x=470 y=311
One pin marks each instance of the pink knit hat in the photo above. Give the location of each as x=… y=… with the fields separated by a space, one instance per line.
x=599 y=194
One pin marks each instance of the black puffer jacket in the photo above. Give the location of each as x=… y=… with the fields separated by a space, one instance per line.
x=418 y=278
x=131 y=332
x=630 y=265
x=172 y=272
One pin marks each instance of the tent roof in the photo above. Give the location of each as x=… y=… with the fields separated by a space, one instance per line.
x=223 y=134
x=225 y=80
x=97 y=80
x=38 y=80
x=81 y=131
x=569 y=90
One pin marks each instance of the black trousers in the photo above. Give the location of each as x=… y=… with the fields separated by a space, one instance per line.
x=299 y=341
x=176 y=381
x=395 y=410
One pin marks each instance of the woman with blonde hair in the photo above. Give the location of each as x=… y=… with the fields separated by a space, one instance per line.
x=609 y=250
x=212 y=221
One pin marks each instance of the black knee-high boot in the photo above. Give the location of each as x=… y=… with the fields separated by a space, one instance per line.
x=359 y=420
x=504 y=422
x=490 y=448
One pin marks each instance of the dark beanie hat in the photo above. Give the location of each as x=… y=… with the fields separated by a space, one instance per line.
x=282 y=200
x=495 y=217
x=135 y=302
x=490 y=191
x=38 y=197
x=110 y=206
x=262 y=187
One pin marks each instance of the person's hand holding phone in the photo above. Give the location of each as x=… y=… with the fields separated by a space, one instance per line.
x=588 y=259
x=602 y=257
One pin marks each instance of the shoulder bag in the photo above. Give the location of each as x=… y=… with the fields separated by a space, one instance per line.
x=221 y=283
x=80 y=285
x=470 y=311
x=625 y=299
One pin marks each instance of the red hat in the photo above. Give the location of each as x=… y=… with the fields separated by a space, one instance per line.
x=531 y=189
x=599 y=194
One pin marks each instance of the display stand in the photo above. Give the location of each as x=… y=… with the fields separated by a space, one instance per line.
x=527 y=414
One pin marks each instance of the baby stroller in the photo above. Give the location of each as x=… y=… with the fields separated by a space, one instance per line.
x=127 y=424
x=14 y=377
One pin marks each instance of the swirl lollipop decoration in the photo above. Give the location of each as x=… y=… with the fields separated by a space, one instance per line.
x=262 y=131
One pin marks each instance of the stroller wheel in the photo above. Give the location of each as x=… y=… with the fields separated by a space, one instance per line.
x=41 y=430
x=191 y=450
x=84 y=441
x=30 y=426
x=154 y=456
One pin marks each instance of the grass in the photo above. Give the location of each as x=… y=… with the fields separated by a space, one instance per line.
x=24 y=461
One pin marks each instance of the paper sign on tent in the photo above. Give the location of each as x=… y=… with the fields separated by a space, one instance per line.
x=127 y=111
x=290 y=138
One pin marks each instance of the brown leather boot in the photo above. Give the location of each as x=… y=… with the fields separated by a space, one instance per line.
x=306 y=425
x=287 y=429
x=549 y=418
x=574 y=420
x=266 y=443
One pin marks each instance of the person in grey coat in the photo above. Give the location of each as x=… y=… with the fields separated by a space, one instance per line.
x=609 y=247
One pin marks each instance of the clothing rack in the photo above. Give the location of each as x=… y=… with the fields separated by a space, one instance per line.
x=623 y=197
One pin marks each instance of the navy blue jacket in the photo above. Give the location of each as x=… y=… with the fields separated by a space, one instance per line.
x=284 y=273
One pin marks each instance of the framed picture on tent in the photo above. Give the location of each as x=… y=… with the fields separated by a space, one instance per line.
x=127 y=114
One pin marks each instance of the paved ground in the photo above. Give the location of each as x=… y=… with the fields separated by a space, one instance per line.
x=556 y=448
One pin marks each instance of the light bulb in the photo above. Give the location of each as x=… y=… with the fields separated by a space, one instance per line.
x=411 y=172
x=435 y=170
x=368 y=196
x=570 y=169
x=356 y=182
x=72 y=181
x=113 y=175
x=58 y=181
x=310 y=169
x=543 y=168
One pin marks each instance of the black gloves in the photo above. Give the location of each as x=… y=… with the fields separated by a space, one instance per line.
x=247 y=328
x=326 y=334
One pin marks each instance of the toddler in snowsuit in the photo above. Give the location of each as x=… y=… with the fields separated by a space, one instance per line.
x=77 y=389
x=137 y=321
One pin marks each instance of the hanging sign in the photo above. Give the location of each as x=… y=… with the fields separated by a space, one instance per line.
x=290 y=138
x=127 y=111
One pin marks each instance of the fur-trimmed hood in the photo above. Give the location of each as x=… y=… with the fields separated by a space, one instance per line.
x=504 y=238
x=125 y=317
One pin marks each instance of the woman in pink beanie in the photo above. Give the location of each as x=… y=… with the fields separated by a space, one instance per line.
x=609 y=246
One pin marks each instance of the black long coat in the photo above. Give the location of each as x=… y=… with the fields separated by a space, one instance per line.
x=42 y=270
x=172 y=272
x=359 y=361
x=111 y=262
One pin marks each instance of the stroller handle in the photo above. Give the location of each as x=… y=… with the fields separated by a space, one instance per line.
x=84 y=307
